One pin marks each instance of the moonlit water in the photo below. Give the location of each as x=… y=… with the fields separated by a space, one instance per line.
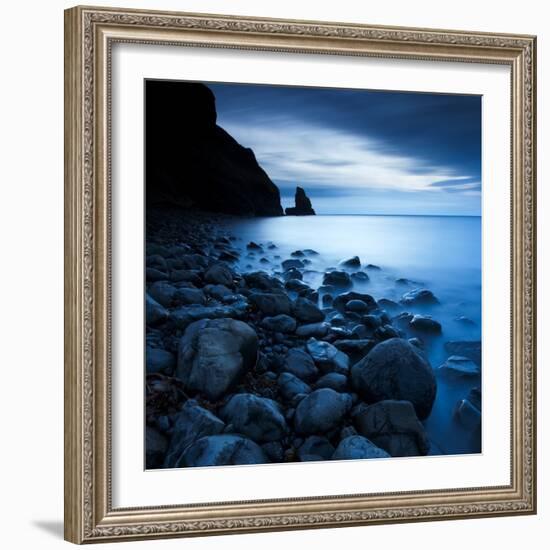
x=440 y=253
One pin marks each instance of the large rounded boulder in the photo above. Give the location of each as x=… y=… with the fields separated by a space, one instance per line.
x=395 y=370
x=214 y=354
x=321 y=411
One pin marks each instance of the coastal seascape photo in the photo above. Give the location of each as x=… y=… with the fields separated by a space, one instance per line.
x=312 y=274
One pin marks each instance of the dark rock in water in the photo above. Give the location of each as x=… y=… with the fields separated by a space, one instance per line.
x=311 y=252
x=262 y=281
x=296 y=285
x=341 y=301
x=327 y=300
x=417 y=343
x=255 y=417
x=253 y=246
x=357 y=306
x=338 y=279
x=390 y=305
x=424 y=323
x=467 y=414
x=290 y=386
x=356 y=349
x=297 y=254
x=419 y=296
x=474 y=396
x=307 y=312
x=219 y=274
x=371 y=321
x=327 y=357
x=467 y=348
x=457 y=366
x=224 y=450
x=406 y=282
x=360 y=277
x=334 y=381
x=279 y=323
x=465 y=321
x=152 y=274
x=190 y=424
x=386 y=332
x=315 y=447
x=354 y=262
x=316 y=330
x=157 y=261
x=154 y=312
x=373 y=267
x=184 y=316
x=395 y=370
x=218 y=292
x=214 y=354
x=292 y=273
x=193 y=162
x=321 y=411
x=292 y=263
x=394 y=427
x=302 y=205
x=155 y=448
x=271 y=303
x=356 y=447
x=300 y=363
x=159 y=361
x=193 y=261
x=264 y=261
x=228 y=256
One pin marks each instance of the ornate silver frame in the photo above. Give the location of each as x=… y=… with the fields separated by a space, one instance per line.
x=89 y=35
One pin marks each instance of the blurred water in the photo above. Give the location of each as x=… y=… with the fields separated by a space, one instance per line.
x=441 y=253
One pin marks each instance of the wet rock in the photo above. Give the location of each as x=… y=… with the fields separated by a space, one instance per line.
x=386 y=332
x=338 y=279
x=357 y=447
x=357 y=306
x=218 y=292
x=424 y=323
x=465 y=321
x=360 y=277
x=214 y=354
x=474 y=396
x=389 y=305
x=315 y=447
x=293 y=263
x=341 y=300
x=311 y=252
x=274 y=450
x=316 y=330
x=373 y=267
x=356 y=349
x=159 y=361
x=297 y=254
x=155 y=314
x=327 y=300
x=256 y=417
x=190 y=424
x=280 y=323
x=224 y=450
x=184 y=316
x=253 y=246
x=307 y=312
x=262 y=281
x=193 y=261
x=271 y=303
x=300 y=363
x=371 y=321
x=468 y=415
x=290 y=386
x=419 y=296
x=395 y=370
x=187 y=275
x=162 y=292
x=466 y=348
x=292 y=273
x=394 y=427
x=321 y=411
x=296 y=285
x=334 y=381
x=457 y=366
x=327 y=357
x=189 y=296
x=155 y=448
x=219 y=274
x=353 y=262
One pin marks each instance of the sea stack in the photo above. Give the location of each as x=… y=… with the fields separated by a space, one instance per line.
x=302 y=205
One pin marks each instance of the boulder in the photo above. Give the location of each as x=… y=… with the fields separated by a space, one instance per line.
x=185 y=315
x=155 y=314
x=255 y=417
x=338 y=279
x=218 y=292
x=158 y=360
x=394 y=369
x=466 y=348
x=262 y=281
x=419 y=296
x=355 y=349
x=394 y=427
x=223 y=450
x=321 y=411
x=290 y=386
x=190 y=424
x=300 y=363
x=153 y=274
x=468 y=415
x=271 y=303
x=334 y=381
x=357 y=306
x=360 y=277
x=307 y=312
x=315 y=447
x=458 y=366
x=327 y=357
x=189 y=296
x=155 y=448
x=162 y=292
x=341 y=300
x=316 y=330
x=302 y=205
x=219 y=274
x=214 y=354
x=353 y=262
x=280 y=323
x=292 y=264
x=357 y=447
x=424 y=323
x=296 y=285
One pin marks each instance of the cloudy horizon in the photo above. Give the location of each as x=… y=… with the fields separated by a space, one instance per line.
x=359 y=151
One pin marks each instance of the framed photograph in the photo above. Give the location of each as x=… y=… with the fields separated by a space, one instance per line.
x=300 y=274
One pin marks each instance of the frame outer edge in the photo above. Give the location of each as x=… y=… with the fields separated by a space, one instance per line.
x=73 y=432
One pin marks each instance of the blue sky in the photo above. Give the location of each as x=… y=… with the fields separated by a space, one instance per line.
x=359 y=151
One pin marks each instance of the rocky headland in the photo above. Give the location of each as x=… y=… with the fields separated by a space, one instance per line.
x=248 y=366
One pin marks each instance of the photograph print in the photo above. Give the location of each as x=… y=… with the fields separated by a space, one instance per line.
x=312 y=274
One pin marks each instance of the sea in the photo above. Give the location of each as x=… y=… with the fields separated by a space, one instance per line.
x=440 y=253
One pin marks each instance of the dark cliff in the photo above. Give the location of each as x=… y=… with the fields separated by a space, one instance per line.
x=191 y=161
